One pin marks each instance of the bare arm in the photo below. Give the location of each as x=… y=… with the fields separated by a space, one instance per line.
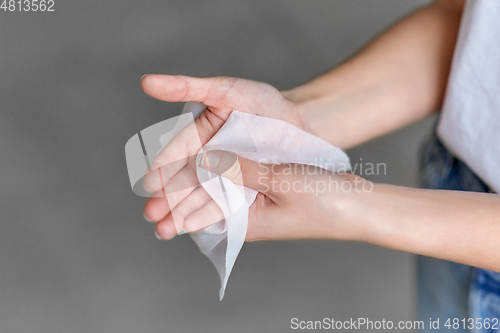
x=458 y=226
x=453 y=225
x=396 y=80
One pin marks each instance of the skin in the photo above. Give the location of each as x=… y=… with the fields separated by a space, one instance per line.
x=398 y=79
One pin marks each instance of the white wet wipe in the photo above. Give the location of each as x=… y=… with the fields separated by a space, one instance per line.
x=253 y=137
x=260 y=139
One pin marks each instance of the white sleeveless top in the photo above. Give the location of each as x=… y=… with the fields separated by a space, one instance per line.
x=470 y=122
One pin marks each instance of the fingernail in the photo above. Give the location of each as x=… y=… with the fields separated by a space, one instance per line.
x=146 y=218
x=144 y=76
x=210 y=160
x=158 y=236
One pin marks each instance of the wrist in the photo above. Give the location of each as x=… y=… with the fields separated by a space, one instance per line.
x=310 y=110
x=301 y=113
x=349 y=209
x=329 y=114
x=368 y=212
x=386 y=211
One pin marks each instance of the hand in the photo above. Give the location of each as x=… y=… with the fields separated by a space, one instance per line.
x=221 y=95
x=294 y=201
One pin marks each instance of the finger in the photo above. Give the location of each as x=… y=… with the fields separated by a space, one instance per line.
x=177 y=188
x=177 y=154
x=165 y=229
x=237 y=169
x=204 y=217
x=211 y=91
x=156 y=208
x=194 y=201
x=182 y=150
x=184 y=179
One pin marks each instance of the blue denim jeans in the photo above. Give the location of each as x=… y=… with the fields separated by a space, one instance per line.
x=448 y=290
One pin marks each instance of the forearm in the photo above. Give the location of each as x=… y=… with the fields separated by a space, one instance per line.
x=458 y=226
x=396 y=80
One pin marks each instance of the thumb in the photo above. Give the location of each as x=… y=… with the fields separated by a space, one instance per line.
x=215 y=92
x=237 y=169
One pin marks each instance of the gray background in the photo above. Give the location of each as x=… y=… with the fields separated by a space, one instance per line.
x=75 y=252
